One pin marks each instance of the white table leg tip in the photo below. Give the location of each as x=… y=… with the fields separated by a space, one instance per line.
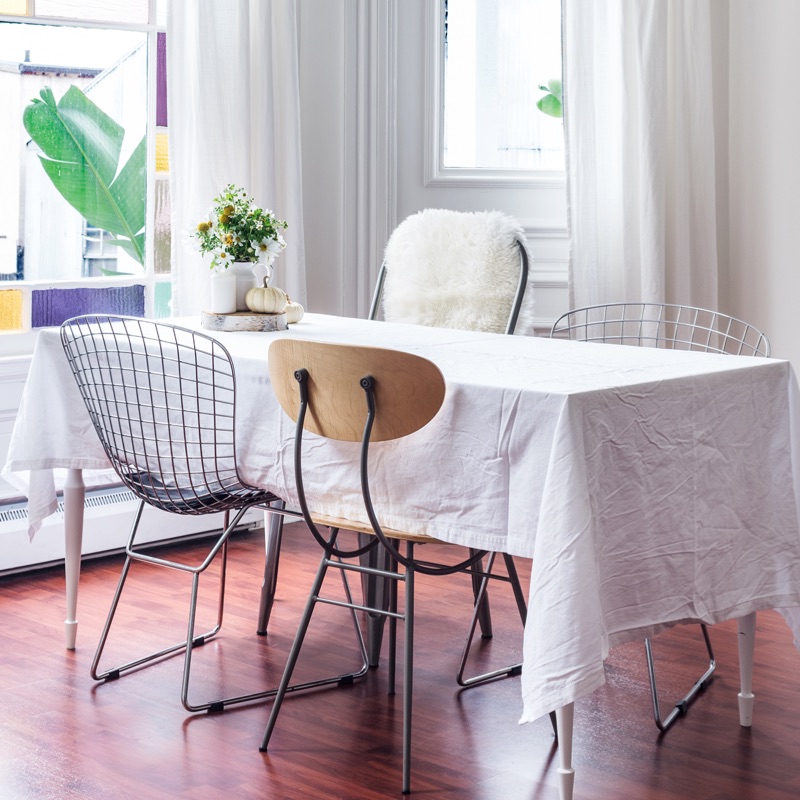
x=566 y=780
x=746 y=709
x=70 y=633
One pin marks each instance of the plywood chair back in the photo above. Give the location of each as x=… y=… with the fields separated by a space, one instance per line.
x=409 y=389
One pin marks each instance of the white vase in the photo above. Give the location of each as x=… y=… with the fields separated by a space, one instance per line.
x=223 y=292
x=261 y=271
x=245 y=280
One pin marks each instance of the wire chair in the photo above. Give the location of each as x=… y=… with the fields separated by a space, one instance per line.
x=163 y=402
x=367 y=395
x=672 y=327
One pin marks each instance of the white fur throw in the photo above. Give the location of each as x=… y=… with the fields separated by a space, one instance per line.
x=451 y=269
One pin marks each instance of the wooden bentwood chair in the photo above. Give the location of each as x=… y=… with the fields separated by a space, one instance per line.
x=163 y=400
x=673 y=327
x=367 y=395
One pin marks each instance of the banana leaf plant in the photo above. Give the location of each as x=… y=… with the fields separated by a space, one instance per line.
x=81 y=146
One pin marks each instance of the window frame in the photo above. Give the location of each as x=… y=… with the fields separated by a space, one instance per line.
x=436 y=174
x=21 y=342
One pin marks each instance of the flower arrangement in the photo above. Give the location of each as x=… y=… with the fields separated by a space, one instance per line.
x=235 y=229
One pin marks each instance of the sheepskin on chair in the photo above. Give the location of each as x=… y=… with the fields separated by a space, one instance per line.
x=451 y=269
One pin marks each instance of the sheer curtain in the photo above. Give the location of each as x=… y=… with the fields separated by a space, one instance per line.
x=234 y=117
x=640 y=151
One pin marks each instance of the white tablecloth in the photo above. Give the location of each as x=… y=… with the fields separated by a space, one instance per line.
x=650 y=487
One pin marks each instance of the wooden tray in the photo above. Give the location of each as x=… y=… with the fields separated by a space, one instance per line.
x=243 y=321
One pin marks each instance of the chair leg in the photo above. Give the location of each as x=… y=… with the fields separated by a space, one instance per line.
x=480 y=599
x=341 y=680
x=116 y=672
x=682 y=705
x=376 y=595
x=479 y=590
x=408 y=670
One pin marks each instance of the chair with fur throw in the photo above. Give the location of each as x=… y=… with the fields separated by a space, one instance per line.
x=452 y=269
x=463 y=270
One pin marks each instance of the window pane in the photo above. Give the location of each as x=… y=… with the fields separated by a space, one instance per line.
x=497 y=55
x=133 y=11
x=50 y=237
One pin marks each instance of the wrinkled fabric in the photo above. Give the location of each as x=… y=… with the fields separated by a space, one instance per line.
x=650 y=487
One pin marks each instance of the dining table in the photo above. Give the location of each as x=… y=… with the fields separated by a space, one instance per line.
x=650 y=487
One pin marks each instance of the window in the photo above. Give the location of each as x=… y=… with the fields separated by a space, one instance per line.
x=494 y=55
x=109 y=54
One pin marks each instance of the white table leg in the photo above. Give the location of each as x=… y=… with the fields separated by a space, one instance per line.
x=747 y=636
x=74 y=496
x=566 y=774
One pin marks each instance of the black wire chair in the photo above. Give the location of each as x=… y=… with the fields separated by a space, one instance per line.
x=163 y=401
x=673 y=327
x=364 y=394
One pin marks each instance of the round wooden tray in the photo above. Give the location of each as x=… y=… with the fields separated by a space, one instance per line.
x=243 y=321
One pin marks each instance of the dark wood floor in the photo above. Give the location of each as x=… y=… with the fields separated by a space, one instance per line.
x=62 y=736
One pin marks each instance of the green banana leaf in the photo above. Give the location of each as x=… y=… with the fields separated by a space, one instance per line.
x=81 y=146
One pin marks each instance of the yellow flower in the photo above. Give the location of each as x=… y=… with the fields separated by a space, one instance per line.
x=204 y=227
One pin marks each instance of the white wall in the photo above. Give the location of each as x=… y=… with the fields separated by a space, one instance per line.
x=363 y=97
x=763 y=270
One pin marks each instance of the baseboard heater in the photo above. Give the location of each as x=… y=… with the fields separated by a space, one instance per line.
x=107 y=520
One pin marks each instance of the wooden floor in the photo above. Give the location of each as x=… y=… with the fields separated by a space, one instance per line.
x=64 y=737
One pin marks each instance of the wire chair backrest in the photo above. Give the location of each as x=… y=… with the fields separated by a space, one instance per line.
x=662 y=325
x=455 y=269
x=162 y=400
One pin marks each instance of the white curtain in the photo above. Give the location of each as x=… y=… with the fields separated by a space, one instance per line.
x=234 y=117
x=640 y=151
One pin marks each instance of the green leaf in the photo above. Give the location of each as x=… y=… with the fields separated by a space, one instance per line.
x=81 y=146
x=550 y=105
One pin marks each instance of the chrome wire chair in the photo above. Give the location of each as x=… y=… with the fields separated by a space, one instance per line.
x=367 y=395
x=662 y=325
x=163 y=400
x=673 y=327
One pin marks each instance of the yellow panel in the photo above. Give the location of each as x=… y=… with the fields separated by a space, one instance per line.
x=162 y=153
x=10 y=310
x=17 y=7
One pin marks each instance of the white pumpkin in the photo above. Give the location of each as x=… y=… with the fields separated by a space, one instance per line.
x=266 y=299
x=294 y=311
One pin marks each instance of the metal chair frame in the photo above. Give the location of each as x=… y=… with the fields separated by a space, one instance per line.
x=674 y=327
x=375 y=587
x=390 y=543
x=162 y=399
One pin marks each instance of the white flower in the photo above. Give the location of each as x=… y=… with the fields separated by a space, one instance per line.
x=221 y=260
x=268 y=249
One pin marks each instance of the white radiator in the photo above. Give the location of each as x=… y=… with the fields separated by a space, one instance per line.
x=108 y=517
